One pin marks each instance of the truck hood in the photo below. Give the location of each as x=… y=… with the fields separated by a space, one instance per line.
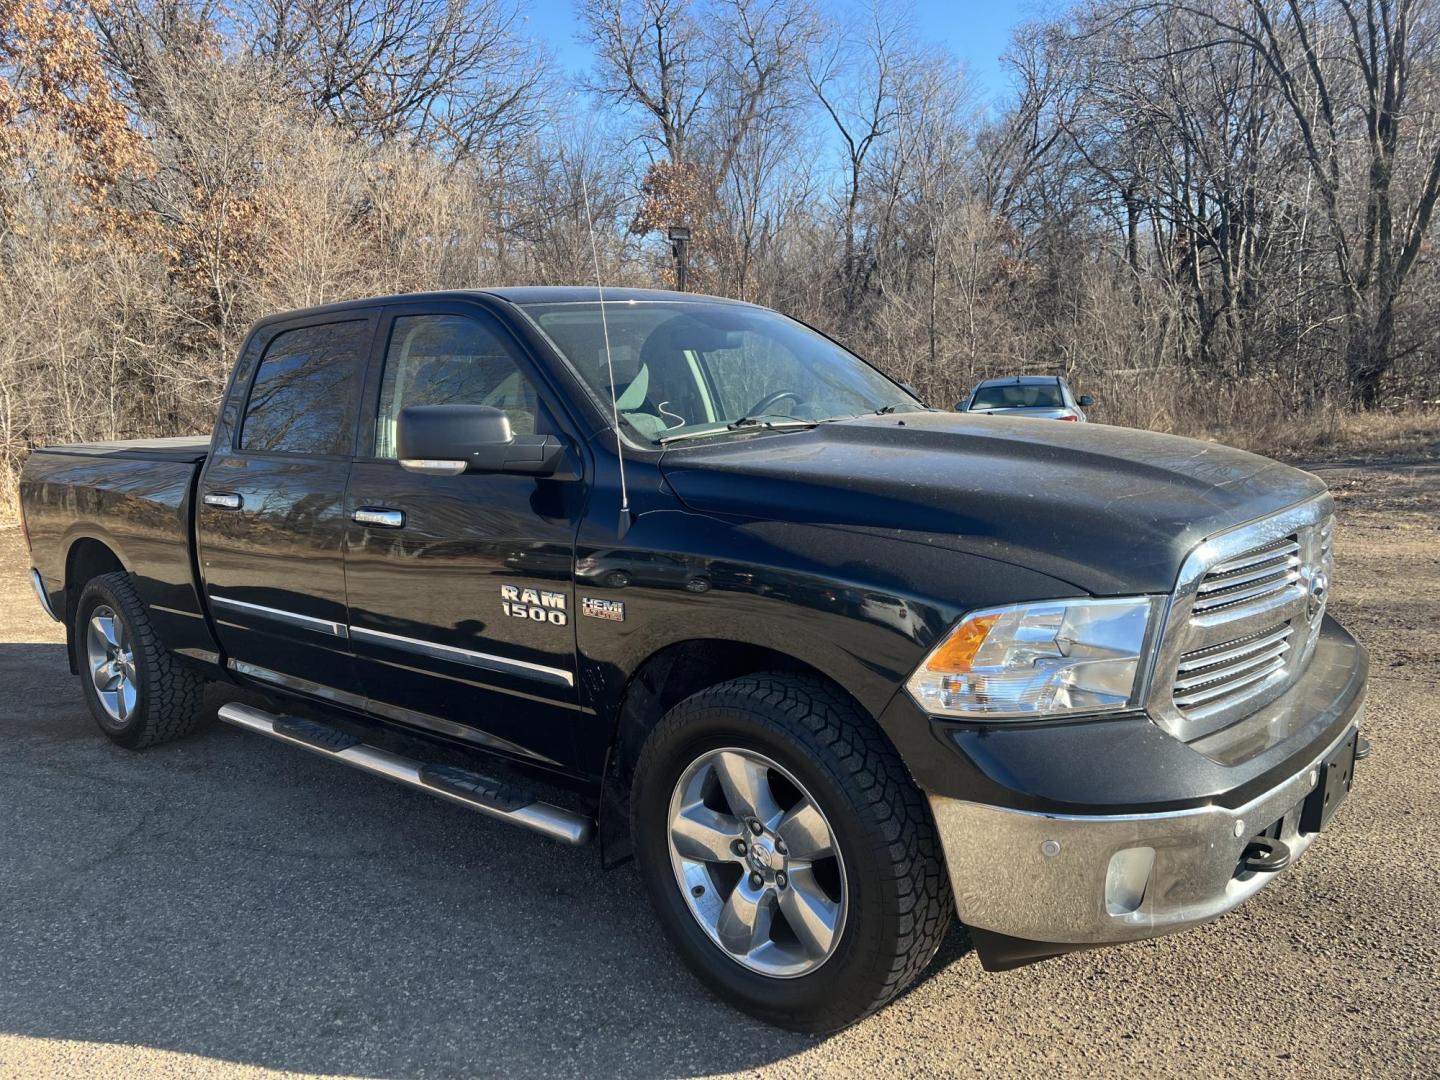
x=1109 y=510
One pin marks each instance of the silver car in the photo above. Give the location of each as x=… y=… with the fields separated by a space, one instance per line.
x=1045 y=397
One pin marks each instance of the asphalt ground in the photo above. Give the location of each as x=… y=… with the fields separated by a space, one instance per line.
x=226 y=906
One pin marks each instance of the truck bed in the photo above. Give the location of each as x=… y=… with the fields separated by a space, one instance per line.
x=87 y=506
x=190 y=449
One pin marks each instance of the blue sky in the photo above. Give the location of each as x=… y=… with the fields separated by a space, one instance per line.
x=976 y=33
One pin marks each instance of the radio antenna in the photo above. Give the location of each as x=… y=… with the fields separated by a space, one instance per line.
x=609 y=359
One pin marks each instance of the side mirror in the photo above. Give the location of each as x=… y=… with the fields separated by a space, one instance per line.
x=446 y=440
x=959 y=406
x=1085 y=401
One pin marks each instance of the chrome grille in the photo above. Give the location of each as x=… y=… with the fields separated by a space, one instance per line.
x=1244 y=620
x=1250 y=579
x=1211 y=676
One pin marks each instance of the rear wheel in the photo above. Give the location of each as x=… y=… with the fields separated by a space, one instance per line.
x=788 y=856
x=138 y=693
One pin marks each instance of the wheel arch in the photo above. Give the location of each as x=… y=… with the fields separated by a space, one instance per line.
x=664 y=679
x=86 y=558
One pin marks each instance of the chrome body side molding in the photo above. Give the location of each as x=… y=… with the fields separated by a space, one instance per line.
x=488 y=661
x=292 y=618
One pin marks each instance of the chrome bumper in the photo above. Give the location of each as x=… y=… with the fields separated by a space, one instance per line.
x=1083 y=880
x=39 y=583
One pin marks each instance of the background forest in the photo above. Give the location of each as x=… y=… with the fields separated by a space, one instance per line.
x=1214 y=215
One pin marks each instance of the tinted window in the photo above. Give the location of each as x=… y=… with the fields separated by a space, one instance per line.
x=450 y=360
x=303 y=397
x=1021 y=396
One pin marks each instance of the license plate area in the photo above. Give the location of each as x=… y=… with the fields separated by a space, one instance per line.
x=1337 y=774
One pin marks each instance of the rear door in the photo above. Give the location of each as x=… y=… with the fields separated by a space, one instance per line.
x=271 y=521
x=461 y=587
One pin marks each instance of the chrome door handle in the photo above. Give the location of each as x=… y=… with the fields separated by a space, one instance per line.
x=379 y=517
x=223 y=500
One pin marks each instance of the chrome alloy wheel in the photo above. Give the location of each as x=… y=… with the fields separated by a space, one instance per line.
x=757 y=863
x=112 y=663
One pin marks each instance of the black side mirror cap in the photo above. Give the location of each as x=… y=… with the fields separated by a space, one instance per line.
x=1085 y=401
x=445 y=440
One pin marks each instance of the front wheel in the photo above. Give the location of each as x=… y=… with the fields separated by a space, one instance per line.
x=787 y=854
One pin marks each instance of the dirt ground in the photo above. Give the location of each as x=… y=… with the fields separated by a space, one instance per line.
x=225 y=906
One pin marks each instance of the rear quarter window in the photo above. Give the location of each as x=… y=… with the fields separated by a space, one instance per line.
x=305 y=393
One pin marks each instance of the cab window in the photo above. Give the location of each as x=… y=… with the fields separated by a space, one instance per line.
x=451 y=360
x=303 y=399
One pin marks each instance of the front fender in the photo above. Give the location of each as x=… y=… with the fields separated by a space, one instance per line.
x=860 y=607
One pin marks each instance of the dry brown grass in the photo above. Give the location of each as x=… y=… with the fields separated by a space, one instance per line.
x=1265 y=416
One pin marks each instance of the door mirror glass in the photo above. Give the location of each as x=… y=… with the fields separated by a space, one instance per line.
x=445 y=440
x=1085 y=401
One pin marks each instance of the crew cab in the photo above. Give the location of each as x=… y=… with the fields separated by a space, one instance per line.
x=684 y=575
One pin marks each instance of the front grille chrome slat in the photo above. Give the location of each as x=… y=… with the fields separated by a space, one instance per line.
x=1244 y=592
x=1288 y=566
x=1200 y=686
x=1220 y=671
x=1205 y=697
x=1280 y=550
x=1220 y=655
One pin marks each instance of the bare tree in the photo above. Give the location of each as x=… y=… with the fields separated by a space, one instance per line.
x=451 y=73
x=1350 y=68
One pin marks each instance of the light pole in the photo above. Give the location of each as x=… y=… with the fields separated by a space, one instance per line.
x=680 y=248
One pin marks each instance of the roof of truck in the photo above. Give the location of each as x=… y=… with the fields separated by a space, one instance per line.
x=580 y=294
x=517 y=294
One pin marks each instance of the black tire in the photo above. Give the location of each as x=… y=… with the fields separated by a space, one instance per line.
x=168 y=695
x=899 y=903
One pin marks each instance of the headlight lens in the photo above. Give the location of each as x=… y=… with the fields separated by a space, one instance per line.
x=1038 y=660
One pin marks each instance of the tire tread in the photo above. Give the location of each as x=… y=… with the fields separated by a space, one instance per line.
x=853 y=749
x=174 y=694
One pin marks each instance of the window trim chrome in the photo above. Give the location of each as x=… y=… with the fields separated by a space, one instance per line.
x=1311 y=513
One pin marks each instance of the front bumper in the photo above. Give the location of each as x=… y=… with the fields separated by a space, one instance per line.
x=1082 y=880
x=1034 y=882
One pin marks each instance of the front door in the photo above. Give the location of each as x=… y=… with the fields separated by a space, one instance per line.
x=461 y=587
x=271 y=519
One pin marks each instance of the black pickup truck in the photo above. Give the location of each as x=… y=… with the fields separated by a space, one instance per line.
x=683 y=574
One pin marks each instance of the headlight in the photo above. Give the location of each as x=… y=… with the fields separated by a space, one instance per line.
x=1038 y=660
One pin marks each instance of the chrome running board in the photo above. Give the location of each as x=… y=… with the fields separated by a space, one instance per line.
x=480 y=793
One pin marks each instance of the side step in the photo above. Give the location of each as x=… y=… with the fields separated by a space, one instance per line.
x=481 y=793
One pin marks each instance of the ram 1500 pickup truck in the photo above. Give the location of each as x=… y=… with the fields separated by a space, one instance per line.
x=686 y=575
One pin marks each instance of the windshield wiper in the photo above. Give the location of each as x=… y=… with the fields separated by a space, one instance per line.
x=886 y=410
x=778 y=423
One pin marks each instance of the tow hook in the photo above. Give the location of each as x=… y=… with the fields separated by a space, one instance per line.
x=1265 y=855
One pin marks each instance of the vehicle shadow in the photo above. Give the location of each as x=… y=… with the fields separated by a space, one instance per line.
x=232 y=898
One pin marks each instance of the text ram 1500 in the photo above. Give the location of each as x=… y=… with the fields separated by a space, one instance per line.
x=833 y=667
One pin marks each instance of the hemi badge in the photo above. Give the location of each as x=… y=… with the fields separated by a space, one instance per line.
x=597 y=608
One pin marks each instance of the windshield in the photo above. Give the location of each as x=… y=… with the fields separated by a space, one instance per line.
x=685 y=367
x=1018 y=396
